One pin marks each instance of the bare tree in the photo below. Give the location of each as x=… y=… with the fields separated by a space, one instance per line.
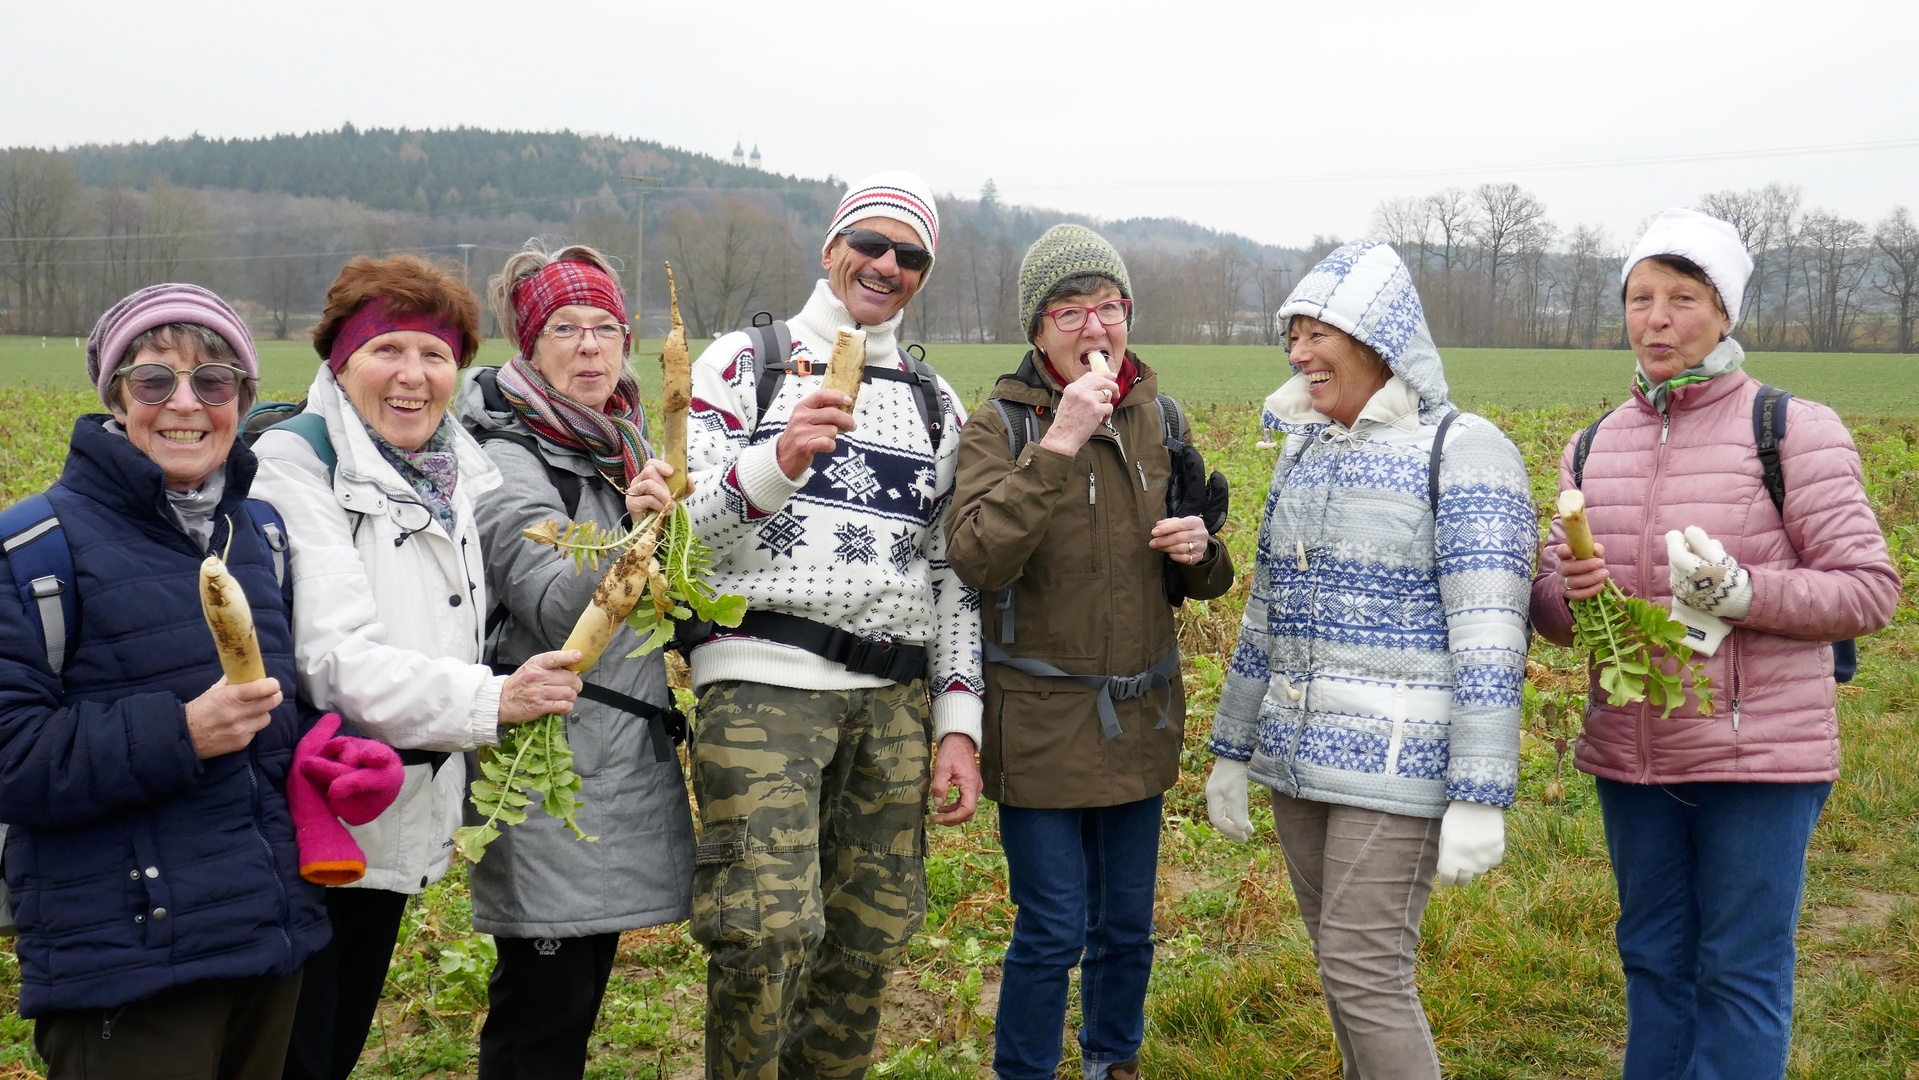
x=1834 y=265
x=1897 y=239
x=39 y=211
x=1223 y=270
x=724 y=259
x=1511 y=224
x=1589 y=281
x=1271 y=280
x=1407 y=224
x=284 y=287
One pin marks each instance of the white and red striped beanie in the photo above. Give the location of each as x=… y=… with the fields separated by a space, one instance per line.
x=896 y=194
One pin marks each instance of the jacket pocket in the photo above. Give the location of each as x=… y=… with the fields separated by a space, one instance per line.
x=726 y=894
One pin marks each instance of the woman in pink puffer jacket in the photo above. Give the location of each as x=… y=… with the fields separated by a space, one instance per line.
x=1708 y=816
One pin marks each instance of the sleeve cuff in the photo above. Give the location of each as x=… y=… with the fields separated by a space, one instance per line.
x=762 y=481
x=483 y=720
x=958 y=710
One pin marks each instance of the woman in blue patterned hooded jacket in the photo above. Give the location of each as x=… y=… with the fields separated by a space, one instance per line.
x=1376 y=685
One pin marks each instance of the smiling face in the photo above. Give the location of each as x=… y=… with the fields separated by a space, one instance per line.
x=585 y=369
x=1068 y=351
x=1341 y=374
x=401 y=383
x=1674 y=320
x=186 y=437
x=873 y=290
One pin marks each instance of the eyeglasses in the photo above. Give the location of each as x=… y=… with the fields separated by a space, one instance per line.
x=1072 y=319
x=566 y=331
x=874 y=245
x=153 y=384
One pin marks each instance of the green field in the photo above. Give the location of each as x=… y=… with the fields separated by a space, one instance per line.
x=1872 y=384
x=1518 y=973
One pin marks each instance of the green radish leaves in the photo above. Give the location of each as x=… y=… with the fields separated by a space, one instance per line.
x=533 y=761
x=1621 y=632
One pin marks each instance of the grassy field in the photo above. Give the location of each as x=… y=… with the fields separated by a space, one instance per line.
x=1518 y=973
x=1874 y=384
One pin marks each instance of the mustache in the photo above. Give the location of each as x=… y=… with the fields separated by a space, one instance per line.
x=878 y=278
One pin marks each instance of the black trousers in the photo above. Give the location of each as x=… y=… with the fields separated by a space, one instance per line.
x=542 y=1001
x=222 y=1029
x=343 y=984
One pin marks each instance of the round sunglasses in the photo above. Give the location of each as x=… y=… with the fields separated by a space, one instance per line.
x=213 y=383
x=875 y=244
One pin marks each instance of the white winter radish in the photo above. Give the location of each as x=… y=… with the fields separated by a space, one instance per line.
x=1572 y=514
x=848 y=365
x=230 y=619
x=620 y=588
x=676 y=390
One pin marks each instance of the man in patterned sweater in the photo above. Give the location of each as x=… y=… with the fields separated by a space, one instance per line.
x=817 y=716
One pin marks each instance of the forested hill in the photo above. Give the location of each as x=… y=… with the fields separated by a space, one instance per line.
x=467 y=169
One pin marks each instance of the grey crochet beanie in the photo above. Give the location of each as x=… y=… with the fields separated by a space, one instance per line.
x=1066 y=251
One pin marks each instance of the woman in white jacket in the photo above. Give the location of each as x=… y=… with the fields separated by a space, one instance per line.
x=377 y=485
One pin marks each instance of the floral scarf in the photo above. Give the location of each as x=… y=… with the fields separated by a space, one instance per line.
x=431 y=471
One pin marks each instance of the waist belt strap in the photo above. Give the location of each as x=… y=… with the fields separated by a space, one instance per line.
x=1123 y=687
x=890 y=660
x=665 y=725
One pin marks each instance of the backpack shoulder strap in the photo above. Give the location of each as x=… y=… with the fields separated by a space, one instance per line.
x=1022 y=424
x=311 y=426
x=569 y=484
x=1432 y=462
x=42 y=564
x=772 y=359
x=266 y=522
x=926 y=386
x=1171 y=417
x=1582 y=447
x=1768 y=428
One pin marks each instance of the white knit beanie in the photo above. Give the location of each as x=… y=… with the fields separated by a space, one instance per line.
x=896 y=194
x=1711 y=243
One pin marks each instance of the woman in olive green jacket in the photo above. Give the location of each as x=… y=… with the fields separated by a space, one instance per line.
x=1084 y=706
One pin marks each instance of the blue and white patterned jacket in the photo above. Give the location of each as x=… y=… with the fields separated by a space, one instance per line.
x=1402 y=631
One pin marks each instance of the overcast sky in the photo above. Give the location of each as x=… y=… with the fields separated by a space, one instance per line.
x=1276 y=120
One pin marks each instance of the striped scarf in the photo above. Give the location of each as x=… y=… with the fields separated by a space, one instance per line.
x=614 y=437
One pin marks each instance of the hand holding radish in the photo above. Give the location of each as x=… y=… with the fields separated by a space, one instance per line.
x=226 y=718
x=1087 y=404
x=1580 y=579
x=651 y=490
x=814 y=428
x=541 y=686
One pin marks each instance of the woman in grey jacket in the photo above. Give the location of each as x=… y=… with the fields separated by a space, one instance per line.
x=562 y=421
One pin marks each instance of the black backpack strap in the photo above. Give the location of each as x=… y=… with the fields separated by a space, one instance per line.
x=1584 y=446
x=1432 y=462
x=772 y=359
x=1172 y=418
x=1022 y=427
x=1768 y=428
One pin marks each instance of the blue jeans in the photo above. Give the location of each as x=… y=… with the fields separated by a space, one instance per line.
x=1710 y=878
x=1083 y=881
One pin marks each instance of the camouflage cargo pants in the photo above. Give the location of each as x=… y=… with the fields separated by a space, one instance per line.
x=810 y=874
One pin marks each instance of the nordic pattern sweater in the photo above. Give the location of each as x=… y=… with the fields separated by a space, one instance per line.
x=856 y=542
x=1402 y=629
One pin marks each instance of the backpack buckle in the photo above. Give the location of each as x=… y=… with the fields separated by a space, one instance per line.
x=45 y=587
x=803 y=366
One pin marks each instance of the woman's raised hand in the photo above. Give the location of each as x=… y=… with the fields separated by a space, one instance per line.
x=542 y=685
x=227 y=717
x=1082 y=409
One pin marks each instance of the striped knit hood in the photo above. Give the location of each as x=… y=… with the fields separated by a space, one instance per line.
x=1364 y=289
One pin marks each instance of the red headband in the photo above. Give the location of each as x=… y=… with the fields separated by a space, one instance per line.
x=372 y=320
x=559 y=284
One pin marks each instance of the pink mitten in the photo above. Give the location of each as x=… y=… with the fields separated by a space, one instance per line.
x=328 y=855
x=364 y=777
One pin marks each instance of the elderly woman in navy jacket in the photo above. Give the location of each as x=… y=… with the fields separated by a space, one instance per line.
x=154 y=876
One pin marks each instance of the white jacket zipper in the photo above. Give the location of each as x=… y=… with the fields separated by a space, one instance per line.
x=1398 y=717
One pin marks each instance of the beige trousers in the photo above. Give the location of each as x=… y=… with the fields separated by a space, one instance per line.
x=1362 y=878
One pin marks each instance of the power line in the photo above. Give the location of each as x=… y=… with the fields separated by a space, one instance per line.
x=1465 y=170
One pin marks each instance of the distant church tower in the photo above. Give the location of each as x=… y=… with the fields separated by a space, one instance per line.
x=756 y=156
x=739 y=154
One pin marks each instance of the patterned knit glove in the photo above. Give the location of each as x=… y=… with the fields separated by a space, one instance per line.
x=1704 y=577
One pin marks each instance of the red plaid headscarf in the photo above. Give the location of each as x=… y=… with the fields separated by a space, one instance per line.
x=554 y=286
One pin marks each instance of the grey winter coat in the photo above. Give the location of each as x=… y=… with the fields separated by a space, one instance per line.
x=537 y=880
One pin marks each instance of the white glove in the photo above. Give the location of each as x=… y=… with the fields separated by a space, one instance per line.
x=1704 y=577
x=1472 y=840
x=1226 y=800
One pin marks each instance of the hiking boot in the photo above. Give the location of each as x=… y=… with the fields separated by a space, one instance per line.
x=1124 y=1070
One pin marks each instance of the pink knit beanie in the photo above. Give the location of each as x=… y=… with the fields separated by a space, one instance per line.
x=158 y=305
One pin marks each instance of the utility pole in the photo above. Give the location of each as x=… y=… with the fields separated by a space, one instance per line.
x=638 y=184
x=466 y=260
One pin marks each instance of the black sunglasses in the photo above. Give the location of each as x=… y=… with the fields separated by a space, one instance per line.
x=153 y=384
x=874 y=244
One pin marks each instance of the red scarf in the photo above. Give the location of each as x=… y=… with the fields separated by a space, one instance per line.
x=1127 y=375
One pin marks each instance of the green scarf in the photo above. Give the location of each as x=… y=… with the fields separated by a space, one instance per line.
x=1726 y=356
